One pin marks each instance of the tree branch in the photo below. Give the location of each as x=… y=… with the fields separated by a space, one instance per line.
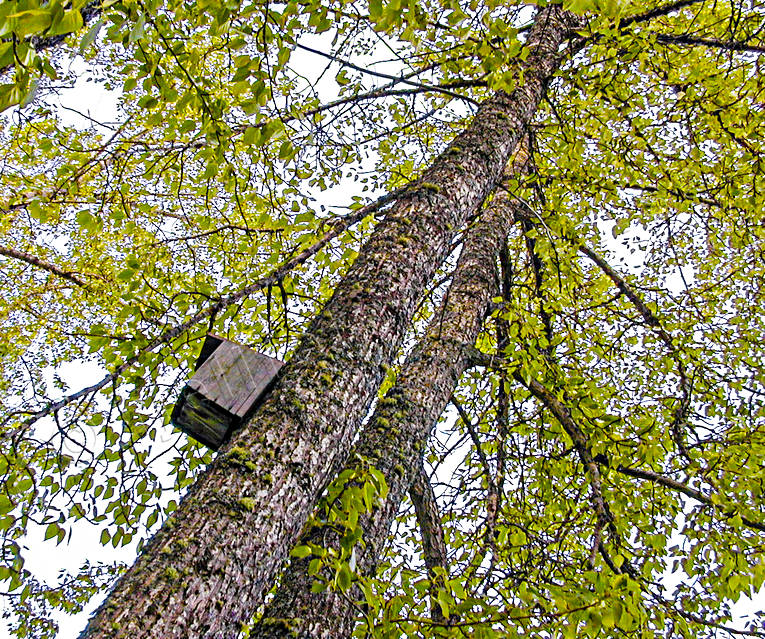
x=727 y=45
x=657 y=12
x=40 y=263
x=88 y=12
x=476 y=442
x=386 y=76
x=562 y=414
x=338 y=226
x=433 y=544
x=680 y=417
x=680 y=487
x=579 y=439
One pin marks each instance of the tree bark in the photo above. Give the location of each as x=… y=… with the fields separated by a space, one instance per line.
x=393 y=440
x=432 y=535
x=205 y=572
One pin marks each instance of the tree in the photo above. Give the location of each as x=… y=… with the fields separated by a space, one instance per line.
x=596 y=392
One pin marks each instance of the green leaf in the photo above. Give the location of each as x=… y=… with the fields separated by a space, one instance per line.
x=344 y=578
x=10 y=95
x=6 y=505
x=91 y=35
x=69 y=22
x=318 y=586
x=51 y=530
x=250 y=133
x=6 y=54
x=87 y=221
x=286 y=150
x=30 y=22
x=613 y=614
x=301 y=552
x=444 y=603
x=138 y=31
x=284 y=56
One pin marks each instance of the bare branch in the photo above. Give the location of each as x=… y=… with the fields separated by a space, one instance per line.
x=727 y=45
x=387 y=76
x=40 y=263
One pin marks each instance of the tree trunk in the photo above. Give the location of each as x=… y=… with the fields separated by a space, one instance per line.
x=205 y=572
x=398 y=430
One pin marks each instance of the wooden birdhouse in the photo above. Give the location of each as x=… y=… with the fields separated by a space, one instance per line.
x=228 y=382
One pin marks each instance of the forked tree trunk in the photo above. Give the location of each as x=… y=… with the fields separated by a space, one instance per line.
x=205 y=572
x=393 y=440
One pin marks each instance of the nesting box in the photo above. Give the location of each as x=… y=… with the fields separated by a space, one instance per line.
x=228 y=382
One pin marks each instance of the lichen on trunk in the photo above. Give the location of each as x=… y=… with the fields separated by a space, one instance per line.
x=206 y=570
x=397 y=432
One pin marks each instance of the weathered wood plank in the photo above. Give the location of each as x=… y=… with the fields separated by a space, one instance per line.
x=229 y=380
x=262 y=372
x=234 y=376
x=211 y=343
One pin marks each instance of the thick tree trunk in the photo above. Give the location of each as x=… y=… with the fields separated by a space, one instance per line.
x=205 y=572
x=394 y=438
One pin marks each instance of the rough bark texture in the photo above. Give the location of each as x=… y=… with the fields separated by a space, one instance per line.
x=432 y=534
x=205 y=572
x=394 y=438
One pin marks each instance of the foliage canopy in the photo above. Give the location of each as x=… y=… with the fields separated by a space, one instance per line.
x=235 y=184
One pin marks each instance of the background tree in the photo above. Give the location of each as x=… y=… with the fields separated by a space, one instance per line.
x=621 y=431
